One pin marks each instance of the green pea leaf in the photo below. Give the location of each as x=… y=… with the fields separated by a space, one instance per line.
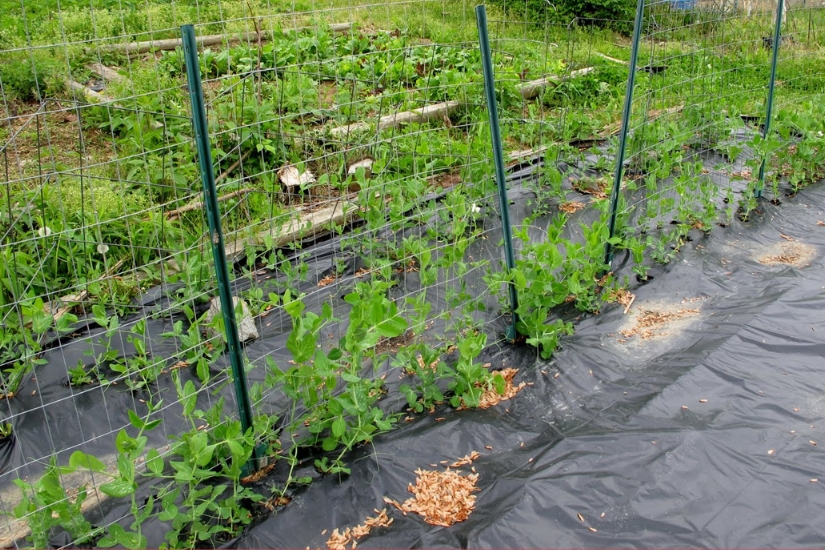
x=118 y=488
x=339 y=427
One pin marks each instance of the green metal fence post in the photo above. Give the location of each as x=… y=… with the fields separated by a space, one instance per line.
x=626 y=110
x=210 y=195
x=498 y=157
x=777 y=38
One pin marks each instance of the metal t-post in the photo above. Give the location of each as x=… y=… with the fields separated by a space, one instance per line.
x=210 y=196
x=777 y=38
x=498 y=157
x=628 y=105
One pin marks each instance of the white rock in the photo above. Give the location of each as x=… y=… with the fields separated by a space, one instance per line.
x=246 y=324
x=290 y=177
x=365 y=163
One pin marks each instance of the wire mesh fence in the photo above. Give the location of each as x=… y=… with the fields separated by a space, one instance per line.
x=360 y=217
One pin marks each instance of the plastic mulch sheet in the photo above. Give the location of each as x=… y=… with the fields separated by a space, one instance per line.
x=694 y=419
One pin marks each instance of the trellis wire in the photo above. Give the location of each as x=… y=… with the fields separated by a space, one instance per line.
x=101 y=205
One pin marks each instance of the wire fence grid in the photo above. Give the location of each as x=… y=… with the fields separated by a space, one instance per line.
x=360 y=217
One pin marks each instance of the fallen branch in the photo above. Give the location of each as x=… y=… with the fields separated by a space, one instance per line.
x=423 y=114
x=99 y=99
x=87 y=93
x=208 y=40
x=232 y=166
x=175 y=214
x=613 y=59
x=105 y=72
x=630 y=303
x=530 y=90
x=311 y=224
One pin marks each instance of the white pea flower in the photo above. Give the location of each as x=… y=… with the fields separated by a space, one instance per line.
x=103 y=248
x=44 y=231
x=474 y=208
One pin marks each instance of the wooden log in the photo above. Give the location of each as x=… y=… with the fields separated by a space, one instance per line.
x=613 y=59
x=423 y=114
x=207 y=40
x=530 y=90
x=105 y=72
x=307 y=225
x=96 y=97
x=88 y=94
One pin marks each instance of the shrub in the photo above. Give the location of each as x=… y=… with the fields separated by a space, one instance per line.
x=614 y=14
x=30 y=76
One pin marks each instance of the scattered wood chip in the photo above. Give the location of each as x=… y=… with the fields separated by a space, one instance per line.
x=787 y=238
x=259 y=474
x=601 y=515
x=703 y=401
x=770 y=451
x=593 y=529
x=793 y=253
x=650 y=322
x=685 y=407
x=488 y=447
x=796 y=409
x=812 y=442
x=813 y=480
x=465 y=460
x=339 y=540
x=491 y=397
x=581 y=517
x=272 y=503
x=622 y=296
x=820 y=223
x=571 y=207
x=328 y=280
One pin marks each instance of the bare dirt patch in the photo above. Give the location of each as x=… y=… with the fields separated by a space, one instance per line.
x=792 y=253
x=657 y=321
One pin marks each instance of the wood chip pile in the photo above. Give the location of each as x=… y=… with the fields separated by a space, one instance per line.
x=441 y=498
